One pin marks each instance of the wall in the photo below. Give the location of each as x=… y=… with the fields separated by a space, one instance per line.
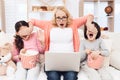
x=73 y=7
x=0 y=14
x=15 y=10
x=117 y=17
x=42 y=15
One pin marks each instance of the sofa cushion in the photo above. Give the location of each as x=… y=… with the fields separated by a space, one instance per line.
x=116 y=42
x=115 y=59
x=108 y=44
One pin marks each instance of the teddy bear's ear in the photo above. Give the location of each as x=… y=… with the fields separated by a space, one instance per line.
x=8 y=46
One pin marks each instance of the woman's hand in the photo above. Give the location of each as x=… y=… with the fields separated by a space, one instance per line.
x=30 y=27
x=90 y=18
x=41 y=36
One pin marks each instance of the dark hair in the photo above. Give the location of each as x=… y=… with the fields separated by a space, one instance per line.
x=96 y=26
x=18 y=40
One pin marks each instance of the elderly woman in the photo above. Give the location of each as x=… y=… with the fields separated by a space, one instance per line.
x=61 y=34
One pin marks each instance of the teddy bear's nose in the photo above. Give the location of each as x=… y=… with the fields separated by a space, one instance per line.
x=0 y=58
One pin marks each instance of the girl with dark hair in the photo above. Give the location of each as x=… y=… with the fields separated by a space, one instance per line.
x=25 y=40
x=93 y=52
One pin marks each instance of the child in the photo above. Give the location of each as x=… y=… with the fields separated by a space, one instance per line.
x=25 y=39
x=93 y=52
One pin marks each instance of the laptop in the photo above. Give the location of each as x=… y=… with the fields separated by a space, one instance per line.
x=62 y=61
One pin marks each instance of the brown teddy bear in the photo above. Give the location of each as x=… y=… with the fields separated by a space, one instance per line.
x=7 y=66
x=6 y=62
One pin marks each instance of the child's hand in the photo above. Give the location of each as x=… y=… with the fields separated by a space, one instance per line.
x=23 y=51
x=42 y=58
x=95 y=54
x=88 y=51
x=19 y=57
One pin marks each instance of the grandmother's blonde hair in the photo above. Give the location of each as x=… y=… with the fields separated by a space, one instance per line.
x=67 y=14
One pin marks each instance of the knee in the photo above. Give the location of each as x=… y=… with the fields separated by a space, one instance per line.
x=53 y=75
x=71 y=75
x=106 y=77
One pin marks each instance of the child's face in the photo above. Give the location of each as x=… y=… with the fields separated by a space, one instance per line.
x=91 y=33
x=24 y=32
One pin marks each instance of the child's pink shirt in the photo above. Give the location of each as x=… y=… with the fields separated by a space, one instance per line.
x=32 y=44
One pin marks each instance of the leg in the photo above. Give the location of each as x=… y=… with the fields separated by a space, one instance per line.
x=33 y=73
x=70 y=75
x=91 y=73
x=10 y=73
x=105 y=75
x=53 y=75
x=20 y=74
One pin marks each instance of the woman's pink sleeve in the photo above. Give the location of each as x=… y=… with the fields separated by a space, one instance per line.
x=39 y=23
x=80 y=21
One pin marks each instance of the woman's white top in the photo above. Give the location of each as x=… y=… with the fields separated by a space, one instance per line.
x=61 y=40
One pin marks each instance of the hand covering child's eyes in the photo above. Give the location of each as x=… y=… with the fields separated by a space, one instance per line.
x=25 y=32
x=92 y=30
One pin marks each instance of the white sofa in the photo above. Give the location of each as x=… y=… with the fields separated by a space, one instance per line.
x=112 y=63
x=112 y=42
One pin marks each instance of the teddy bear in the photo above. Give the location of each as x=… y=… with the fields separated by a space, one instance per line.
x=7 y=66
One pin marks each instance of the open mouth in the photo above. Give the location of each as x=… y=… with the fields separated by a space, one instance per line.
x=61 y=24
x=90 y=35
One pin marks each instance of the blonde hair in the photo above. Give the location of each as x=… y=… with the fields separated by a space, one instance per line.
x=66 y=12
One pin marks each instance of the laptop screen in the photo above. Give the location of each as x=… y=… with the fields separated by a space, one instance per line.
x=62 y=61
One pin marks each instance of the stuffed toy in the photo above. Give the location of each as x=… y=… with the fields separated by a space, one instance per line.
x=7 y=66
